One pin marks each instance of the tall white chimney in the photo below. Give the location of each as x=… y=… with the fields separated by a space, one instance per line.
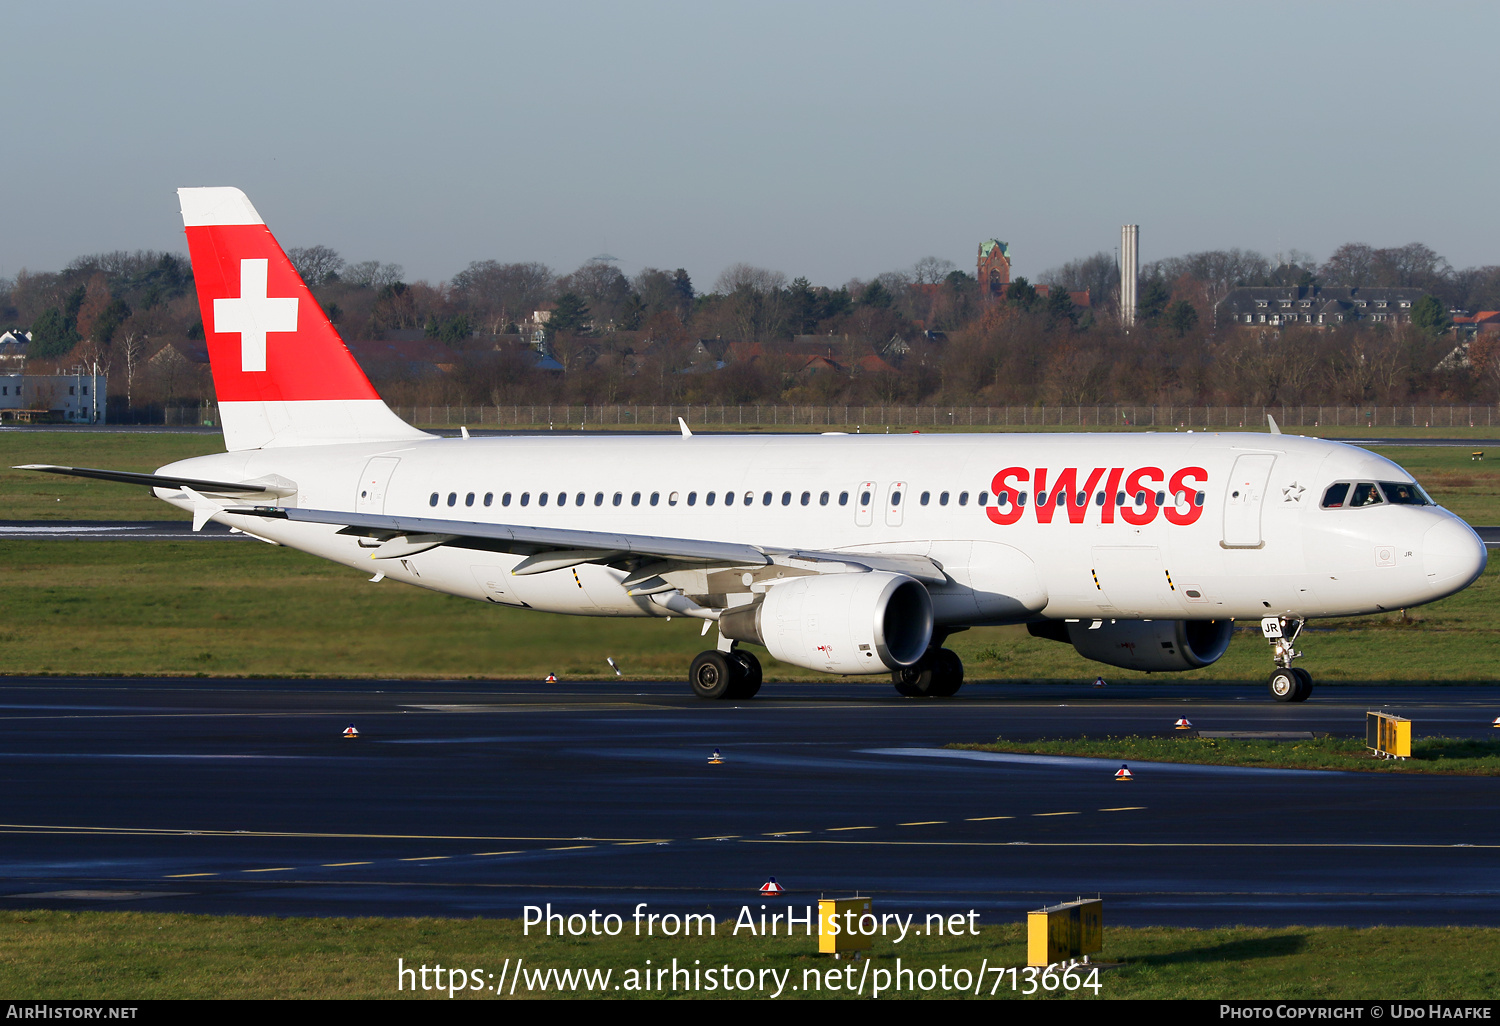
x=1130 y=266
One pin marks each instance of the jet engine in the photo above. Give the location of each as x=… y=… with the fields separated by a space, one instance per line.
x=1143 y=644
x=839 y=623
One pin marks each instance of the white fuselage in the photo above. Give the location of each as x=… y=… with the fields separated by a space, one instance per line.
x=1255 y=543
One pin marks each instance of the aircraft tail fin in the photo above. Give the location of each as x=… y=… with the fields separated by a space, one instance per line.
x=282 y=373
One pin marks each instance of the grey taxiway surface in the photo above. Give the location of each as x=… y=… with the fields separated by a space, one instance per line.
x=476 y=798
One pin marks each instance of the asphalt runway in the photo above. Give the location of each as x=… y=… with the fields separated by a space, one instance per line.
x=476 y=798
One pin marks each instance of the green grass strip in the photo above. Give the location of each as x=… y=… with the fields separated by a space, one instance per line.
x=1449 y=755
x=50 y=955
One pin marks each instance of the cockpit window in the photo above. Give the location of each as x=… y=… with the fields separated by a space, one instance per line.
x=1404 y=494
x=1335 y=496
x=1365 y=494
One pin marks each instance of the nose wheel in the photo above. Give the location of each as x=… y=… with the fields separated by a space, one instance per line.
x=1287 y=683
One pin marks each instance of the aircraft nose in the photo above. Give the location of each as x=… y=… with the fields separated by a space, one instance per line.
x=1453 y=555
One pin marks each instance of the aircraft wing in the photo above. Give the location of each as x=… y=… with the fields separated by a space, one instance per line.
x=554 y=548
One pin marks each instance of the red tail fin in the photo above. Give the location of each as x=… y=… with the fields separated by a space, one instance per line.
x=282 y=374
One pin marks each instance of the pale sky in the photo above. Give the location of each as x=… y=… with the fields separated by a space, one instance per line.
x=832 y=140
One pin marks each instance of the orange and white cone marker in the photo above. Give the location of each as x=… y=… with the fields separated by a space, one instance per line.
x=351 y=731
x=771 y=888
x=551 y=679
x=715 y=759
x=1099 y=682
x=1497 y=722
x=1182 y=723
x=1123 y=773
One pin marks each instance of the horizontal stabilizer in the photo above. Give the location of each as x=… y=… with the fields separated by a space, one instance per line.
x=275 y=489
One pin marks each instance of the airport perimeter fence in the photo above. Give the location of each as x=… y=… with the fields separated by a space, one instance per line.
x=1111 y=416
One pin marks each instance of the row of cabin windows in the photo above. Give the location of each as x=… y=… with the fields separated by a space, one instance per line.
x=769 y=498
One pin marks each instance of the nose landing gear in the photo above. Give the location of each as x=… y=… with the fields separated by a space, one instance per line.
x=1287 y=683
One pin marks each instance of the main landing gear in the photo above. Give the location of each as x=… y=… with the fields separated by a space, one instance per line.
x=938 y=674
x=1287 y=683
x=732 y=674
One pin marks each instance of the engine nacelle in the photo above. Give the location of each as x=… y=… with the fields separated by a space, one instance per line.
x=839 y=623
x=1144 y=644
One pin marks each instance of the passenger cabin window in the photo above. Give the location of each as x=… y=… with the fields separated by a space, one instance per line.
x=655 y=498
x=505 y=499
x=598 y=498
x=765 y=500
x=635 y=498
x=843 y=498
x=578 y=499
x=943 y=499
x=729 y=498
x=806 y=498
x=692 y=498
x=469 y=499
x=562 y=499
x=541 y=499
x=453 y=498
x=708 y=500
x=786 y=498
x=823 y=499
x=525 y=498
x=489 y=498
x=963 y=498
x=618 y=498
x=984 y=497
x=749 y=498
x=926 y=497
x=434 y=500
x=864 y=498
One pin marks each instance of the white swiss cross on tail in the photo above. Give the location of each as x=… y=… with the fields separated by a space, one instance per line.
x=254 y=314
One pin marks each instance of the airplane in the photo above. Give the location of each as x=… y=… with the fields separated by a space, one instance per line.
x=846 y=554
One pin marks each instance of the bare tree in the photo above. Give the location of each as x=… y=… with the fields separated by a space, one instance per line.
x=757 y=279
x=316 y=264
x=372 y=274
x=931 y=270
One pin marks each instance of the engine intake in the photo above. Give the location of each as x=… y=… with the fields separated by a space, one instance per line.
x=1143 y=644
x=839 y=623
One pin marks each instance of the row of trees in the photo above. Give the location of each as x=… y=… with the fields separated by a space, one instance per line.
x=656 y=338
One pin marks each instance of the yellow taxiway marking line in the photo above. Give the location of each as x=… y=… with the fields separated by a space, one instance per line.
x=270 y=869
x=985 y=819
x=424 y=858
x=478 y=853
x=788 y=833
x=1054 y=813
x=1124 y=808
x=620 y=844
x=834 y=829
x=1142 y=844
x=925 y=822
x=332 y=865
x=718 y=837
x=577 y=847
x=184 y=876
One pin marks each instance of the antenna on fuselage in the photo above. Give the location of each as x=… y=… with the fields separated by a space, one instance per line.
x=1275 y=430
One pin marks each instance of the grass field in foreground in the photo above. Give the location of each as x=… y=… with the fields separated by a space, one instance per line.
x=240 y=608
x=128 y=955
x=1464 y=756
